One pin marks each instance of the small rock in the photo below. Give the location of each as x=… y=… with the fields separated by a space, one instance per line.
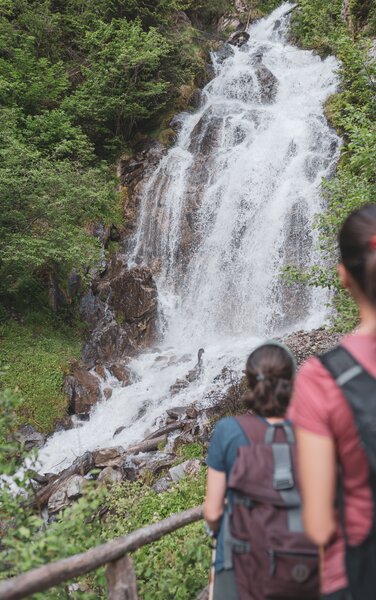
x=110 y=475
x=30 y=437
x=75 y=486
x=109 y=457
x=187 y=468
x=239 y=38
x=64 y=423
x=191 y=412
x=121 y=373
x=83 y=417
x=176 y=412
x=161 y=485
x=101 y=371
x=107 y=393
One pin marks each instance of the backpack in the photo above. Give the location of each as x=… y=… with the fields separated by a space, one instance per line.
x=263 y=533
x=359 y=388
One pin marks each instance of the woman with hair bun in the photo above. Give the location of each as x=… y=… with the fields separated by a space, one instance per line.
x=269 y=372
x=335 y=475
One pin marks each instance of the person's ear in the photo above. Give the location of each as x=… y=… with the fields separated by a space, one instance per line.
x=344 y=276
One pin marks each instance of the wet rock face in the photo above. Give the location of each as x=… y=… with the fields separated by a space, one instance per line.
x=82 y=389
x=122 y=309
x=133 y=173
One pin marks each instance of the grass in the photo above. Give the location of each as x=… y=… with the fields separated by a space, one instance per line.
x=34 y=355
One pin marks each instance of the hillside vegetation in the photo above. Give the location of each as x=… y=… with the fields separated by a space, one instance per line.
x=319 y=25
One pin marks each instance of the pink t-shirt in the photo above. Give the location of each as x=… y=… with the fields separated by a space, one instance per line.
x=319 y=407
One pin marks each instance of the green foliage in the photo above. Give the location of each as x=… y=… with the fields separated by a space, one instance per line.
x=36 y=354
x=123 y=69
x=177 y=566
x=318 y=24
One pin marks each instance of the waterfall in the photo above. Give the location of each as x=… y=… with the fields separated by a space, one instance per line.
x=230 y=204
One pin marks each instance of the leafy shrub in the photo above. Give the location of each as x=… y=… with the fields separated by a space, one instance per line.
x=317 y=24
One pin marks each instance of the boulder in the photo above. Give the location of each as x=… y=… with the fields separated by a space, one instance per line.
x=109 y=457
x=107 y=393
x=187 y=468
x=29 y=437
x=110 y=475
x=82 y=388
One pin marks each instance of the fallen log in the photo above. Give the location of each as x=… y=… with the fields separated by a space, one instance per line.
x=168 y=429
x=47 y=576
x=147 y=445
x=80 y=466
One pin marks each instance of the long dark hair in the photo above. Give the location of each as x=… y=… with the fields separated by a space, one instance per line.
x=357 y=244
x=269 y=371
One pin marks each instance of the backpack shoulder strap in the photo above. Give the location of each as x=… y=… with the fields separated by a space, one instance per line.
x=253 y=427
x=359 y=388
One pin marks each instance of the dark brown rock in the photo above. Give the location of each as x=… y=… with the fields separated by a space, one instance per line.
x=64 y=423
x=82 y=389
x=121 y=373
x=107 y=393
x=109 y=457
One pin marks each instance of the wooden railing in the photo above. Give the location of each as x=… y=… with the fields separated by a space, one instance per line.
x=120 y=574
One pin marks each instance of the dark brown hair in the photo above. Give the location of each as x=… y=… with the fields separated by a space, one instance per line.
x=269 y=372
x=357 y=244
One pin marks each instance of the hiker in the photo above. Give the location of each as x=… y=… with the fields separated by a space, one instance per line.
x=252 y=482
x=334 y=410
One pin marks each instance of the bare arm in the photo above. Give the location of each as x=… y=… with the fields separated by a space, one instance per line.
x=317 y=468
x=215 y=498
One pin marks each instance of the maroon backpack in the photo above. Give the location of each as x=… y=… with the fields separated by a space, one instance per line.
x=263 y=532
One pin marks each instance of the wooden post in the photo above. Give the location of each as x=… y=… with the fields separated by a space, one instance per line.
x=121 y=579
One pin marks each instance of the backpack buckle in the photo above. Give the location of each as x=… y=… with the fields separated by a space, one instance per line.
x=283 y=483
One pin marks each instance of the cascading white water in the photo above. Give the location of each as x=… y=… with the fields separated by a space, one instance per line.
x=230 y=204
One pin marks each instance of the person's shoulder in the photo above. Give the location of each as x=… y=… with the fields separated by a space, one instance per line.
x=227 y=424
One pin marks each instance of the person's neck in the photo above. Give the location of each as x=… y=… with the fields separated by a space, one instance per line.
x=273 y=420
x=367 y=320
